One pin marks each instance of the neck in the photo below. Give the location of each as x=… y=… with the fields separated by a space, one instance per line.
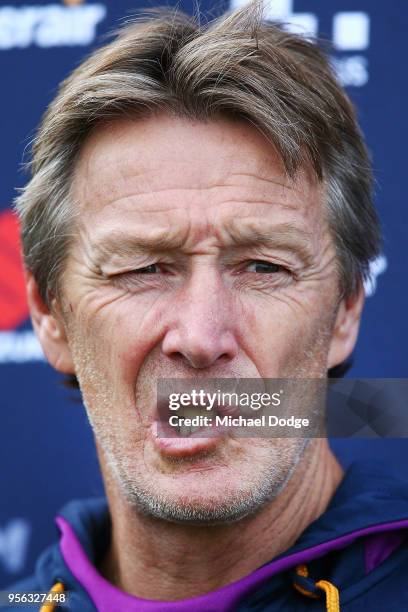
x=155 y=559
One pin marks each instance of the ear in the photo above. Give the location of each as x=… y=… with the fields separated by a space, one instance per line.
x=346 y=328
x=49 y=328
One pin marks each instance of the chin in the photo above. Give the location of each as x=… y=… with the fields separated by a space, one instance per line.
x=203 y=501
x=198 y=511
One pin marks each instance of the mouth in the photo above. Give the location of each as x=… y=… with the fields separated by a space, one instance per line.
x=189 y=431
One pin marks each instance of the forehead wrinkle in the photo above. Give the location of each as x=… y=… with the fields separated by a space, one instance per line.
x=236 y=233
x=263 y=178
x=120 y=242
x=127 y=179
x=132 y=196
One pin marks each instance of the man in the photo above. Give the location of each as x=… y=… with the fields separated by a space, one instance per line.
x=200 y=207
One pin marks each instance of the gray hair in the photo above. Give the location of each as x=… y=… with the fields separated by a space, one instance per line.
x=237 y=66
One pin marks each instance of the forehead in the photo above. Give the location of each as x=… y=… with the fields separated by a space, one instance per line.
x=166 y=163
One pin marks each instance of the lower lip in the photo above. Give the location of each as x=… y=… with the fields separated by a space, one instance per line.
x=177 y=446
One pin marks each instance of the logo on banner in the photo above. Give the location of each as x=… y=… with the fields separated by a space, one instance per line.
x=14 y=539
x=15 y=346
x=377 y=266
x=50 y=25
x=350 y=34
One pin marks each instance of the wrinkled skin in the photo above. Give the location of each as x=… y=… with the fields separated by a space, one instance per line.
x=194 y=256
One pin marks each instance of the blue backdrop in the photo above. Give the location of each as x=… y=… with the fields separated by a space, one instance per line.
x=46 y=449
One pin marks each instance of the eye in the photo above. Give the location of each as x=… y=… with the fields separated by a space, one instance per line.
x=264 y=267
x=151 y=269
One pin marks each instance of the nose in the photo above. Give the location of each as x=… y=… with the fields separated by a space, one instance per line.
x=201 y=324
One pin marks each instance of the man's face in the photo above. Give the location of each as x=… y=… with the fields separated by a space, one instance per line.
x=195 y=257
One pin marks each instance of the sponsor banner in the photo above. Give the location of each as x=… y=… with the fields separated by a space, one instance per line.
x=49 y=25
x=350 y=33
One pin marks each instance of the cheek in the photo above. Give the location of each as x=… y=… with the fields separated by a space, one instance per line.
x=283 y=332
x=119 y=335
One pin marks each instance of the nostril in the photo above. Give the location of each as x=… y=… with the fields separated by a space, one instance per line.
x=199 y=360
x=224 y=358
x=206 y=359
x=198 y=349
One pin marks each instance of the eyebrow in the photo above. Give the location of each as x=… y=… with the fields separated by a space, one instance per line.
x=283 y=236
x=119 y=242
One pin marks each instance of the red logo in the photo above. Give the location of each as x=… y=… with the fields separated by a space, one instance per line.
x=13 y=301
